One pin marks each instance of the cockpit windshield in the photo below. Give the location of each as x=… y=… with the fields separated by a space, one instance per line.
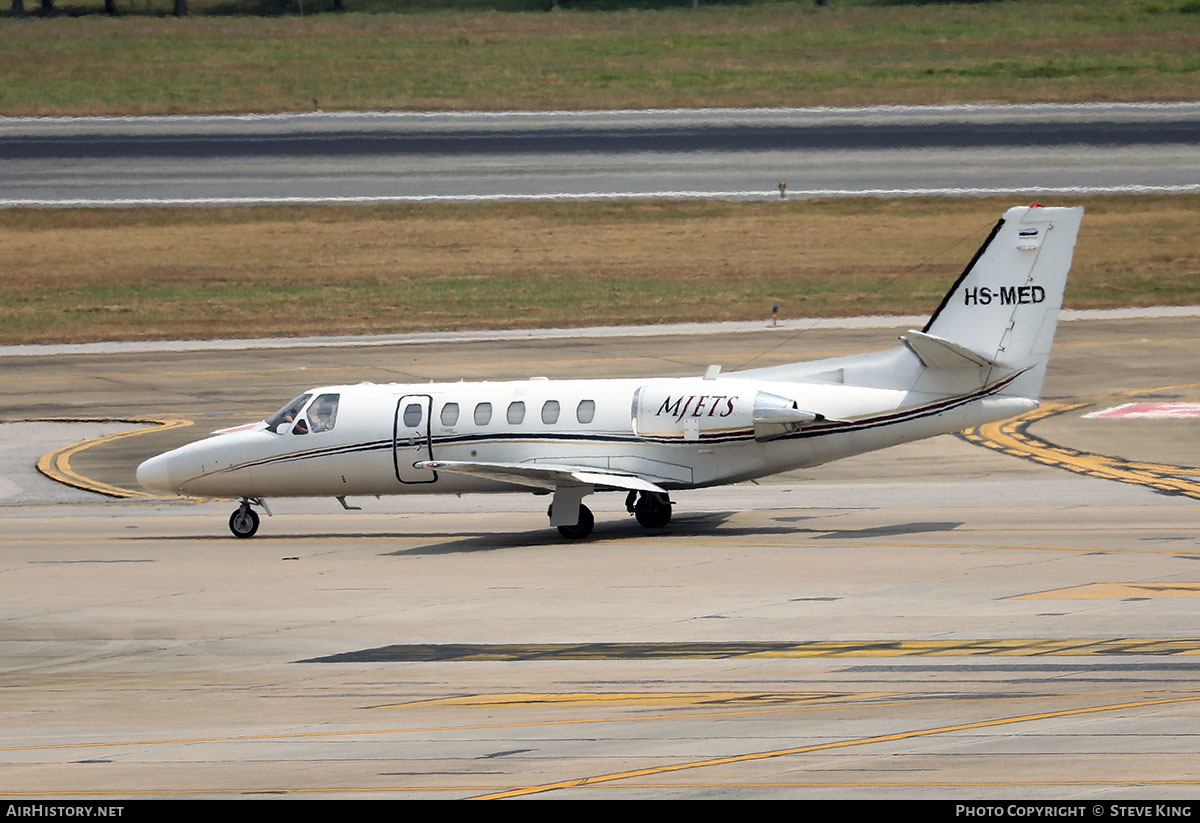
x=322 y=414
x=287 y=415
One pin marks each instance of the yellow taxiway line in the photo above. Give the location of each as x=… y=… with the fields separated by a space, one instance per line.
x=1012 y=437
x=1124 y=591
x=804 y=704
x=57 y=464
x=580 y=782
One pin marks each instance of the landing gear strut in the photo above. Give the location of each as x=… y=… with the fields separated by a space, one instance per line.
x=652 y=509
x=573 y=519
x=244 y=522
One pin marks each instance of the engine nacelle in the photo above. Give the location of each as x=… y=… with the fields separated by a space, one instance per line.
x=775 y=416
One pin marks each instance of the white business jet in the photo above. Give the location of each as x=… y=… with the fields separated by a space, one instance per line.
x=981 y=357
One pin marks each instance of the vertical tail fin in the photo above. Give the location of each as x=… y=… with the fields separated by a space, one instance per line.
x=1004 y=306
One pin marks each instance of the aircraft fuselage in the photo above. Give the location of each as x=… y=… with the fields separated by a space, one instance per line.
x=677 y=433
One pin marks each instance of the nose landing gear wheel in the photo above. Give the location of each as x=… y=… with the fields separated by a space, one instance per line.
x=243 y=522
x=581 y=529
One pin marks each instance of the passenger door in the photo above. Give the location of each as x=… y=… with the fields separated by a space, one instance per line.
x=412 y=438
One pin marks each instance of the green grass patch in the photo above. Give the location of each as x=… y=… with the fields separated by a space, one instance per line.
x=469 y=57
x=107 y=274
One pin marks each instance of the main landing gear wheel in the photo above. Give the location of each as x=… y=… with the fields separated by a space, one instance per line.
x=652 y=510
x=581 y=529
x=244 y=522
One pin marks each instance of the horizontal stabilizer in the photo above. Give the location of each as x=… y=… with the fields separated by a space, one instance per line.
x=542 y=475
x=938 y=353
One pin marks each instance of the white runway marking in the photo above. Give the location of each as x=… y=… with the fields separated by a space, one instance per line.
x=948 y=110
x=1153 y=411
x=801 y=194
x=790 y=325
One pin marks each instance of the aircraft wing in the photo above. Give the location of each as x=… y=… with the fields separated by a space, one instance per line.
x=547 y=476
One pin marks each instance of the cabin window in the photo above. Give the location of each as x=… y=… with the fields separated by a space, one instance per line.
x=449 y=414
x=483 y=414
x=550 y=412
x=412 y=415
x=516 y=412
x=322 y=414
x=283 y=418
x=585 y=412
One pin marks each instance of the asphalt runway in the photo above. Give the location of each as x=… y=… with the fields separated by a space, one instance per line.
x=941 y=620
x=719 y=153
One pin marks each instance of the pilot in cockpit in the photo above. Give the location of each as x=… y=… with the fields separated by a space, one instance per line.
x=323 y=413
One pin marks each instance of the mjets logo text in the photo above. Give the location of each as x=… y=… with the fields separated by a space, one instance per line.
x=697 y=405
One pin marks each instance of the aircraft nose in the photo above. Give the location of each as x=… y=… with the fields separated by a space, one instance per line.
x=154 y=476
